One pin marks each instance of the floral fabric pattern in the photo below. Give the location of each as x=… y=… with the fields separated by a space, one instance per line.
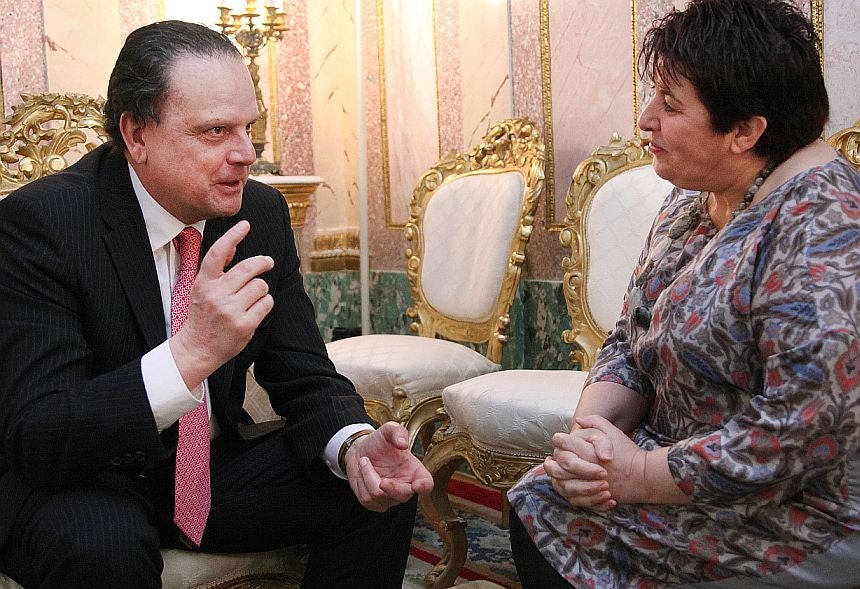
x=751 y=361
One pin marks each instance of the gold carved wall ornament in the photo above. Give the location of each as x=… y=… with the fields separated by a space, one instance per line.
x=45 y=134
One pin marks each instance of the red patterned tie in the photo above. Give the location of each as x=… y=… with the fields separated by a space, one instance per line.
x=193 y=498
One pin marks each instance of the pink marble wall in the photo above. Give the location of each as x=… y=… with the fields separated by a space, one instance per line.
x=294 y=115
x=134 y=14
x=386 y=243
x=448 y=81
x=22 y=50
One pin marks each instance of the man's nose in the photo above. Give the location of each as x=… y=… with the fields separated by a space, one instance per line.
x=243 y=151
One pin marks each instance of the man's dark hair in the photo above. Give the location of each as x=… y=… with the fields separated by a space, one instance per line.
x=745 y=58
x=141 y=75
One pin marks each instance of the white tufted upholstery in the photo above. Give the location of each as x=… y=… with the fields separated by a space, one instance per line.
x=380 y=364
x=514 y=411
x=618 y=222
x=463 y=256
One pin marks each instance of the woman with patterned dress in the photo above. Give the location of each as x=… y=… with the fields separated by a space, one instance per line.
x=716 y=442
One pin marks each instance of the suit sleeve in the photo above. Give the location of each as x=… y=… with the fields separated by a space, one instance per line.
x=292 y=364
x=63 y=416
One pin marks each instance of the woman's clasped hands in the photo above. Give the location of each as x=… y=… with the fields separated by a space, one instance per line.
x=596 y=465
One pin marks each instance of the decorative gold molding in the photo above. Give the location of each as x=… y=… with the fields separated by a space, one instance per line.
x=585 y=335
x=546 y=95
x=847 y=142
x=335 y=251
x=383 y=115
x=45 y=133
x=816 y=15
x=298 y=196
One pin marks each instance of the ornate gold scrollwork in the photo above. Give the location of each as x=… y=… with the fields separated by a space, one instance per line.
x=585 y=335
x=45 y=133
x=446 y=454
x=847 y=142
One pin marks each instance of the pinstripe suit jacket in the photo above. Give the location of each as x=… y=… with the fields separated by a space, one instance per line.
x=80 y=305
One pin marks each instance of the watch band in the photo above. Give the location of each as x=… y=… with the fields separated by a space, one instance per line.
x=347 y=444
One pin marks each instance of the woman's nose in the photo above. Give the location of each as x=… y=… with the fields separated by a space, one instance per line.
x=648 y=119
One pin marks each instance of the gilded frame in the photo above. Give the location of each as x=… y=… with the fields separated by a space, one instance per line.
x=383 y=109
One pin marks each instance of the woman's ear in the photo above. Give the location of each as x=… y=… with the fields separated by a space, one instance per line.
x=746 y=133
x=133 y=135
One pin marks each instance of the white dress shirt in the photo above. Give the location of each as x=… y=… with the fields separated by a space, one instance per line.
x=165 y=387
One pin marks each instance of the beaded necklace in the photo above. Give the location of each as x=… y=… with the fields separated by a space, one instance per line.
x=689 y=219
x=697 y=209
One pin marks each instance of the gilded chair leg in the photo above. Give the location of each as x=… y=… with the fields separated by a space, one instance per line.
x=423 y=421
x=437 y=509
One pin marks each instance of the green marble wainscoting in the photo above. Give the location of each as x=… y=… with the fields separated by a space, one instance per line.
x=538 y=316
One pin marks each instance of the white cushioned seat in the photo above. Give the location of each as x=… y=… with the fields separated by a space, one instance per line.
x=514 y=411
x=382 y=365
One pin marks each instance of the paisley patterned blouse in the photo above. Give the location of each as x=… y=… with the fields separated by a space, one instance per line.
x=751 y=360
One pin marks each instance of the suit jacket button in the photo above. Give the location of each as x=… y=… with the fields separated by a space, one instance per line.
x=127 y=458
x=140 y=456
x=116 y=461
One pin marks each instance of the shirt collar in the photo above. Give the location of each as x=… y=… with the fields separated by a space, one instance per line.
x=161 y=226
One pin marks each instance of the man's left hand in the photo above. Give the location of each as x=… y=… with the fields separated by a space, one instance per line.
x=382 y=470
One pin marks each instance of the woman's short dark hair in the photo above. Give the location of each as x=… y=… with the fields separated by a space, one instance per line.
x=141 y=75
x=745 y=58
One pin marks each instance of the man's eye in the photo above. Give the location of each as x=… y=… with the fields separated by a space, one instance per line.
x=248 y=128
x=218 y=130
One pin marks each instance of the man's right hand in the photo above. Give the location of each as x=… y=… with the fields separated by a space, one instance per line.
x=224 y=310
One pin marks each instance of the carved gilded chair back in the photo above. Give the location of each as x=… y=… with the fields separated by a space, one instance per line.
x=45 y=134
x=471 y=215
x=847 y=142
x=611 y=203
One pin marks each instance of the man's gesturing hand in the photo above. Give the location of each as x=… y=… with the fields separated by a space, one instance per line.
x=382 y=471
x=224 y=310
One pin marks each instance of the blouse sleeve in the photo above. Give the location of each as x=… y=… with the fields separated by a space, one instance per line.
x=804 y=313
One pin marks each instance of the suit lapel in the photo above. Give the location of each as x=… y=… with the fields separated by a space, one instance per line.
x=128 y=245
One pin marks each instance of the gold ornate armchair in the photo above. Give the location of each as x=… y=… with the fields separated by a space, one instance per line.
x=471 y=216
x=501 y=424
x=45 y=134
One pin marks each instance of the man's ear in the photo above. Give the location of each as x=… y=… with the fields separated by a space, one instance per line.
x=132 y=134
x=746 y=133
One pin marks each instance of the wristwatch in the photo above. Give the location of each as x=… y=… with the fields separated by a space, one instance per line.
x=347 y=444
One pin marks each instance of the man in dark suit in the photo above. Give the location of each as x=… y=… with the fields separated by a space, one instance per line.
x=92 y=383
